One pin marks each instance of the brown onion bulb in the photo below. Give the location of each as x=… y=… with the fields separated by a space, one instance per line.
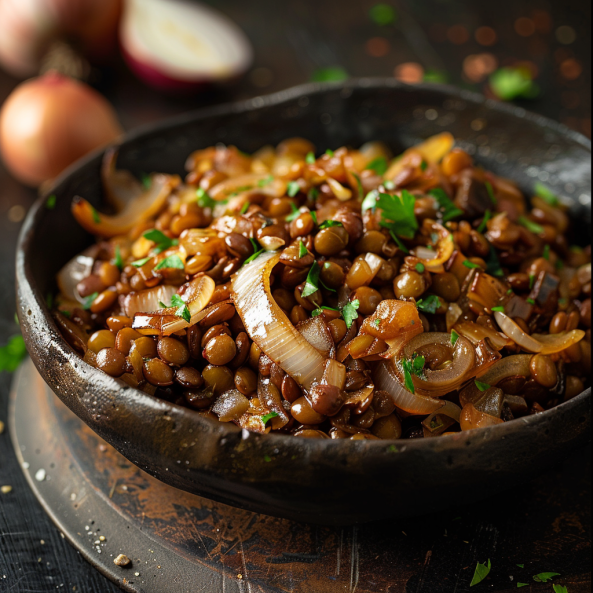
x=49 y=122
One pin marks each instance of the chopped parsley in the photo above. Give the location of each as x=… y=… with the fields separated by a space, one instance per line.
x=546 y=254
x=484 y=224
x=12 y=354
x=491 y=193
x=498 y=309
x=310 y=158
x=454 y=337
x=482 y=571
x=88 y=301
x=378 y=165
x=265 y=419
x=530 y=225
x=544 y=577
x=244 y=208
x=293 y=189
x=398 y=213
x=413 y=367
x=312 y=282
x=436 y=76
x=320 y=310
x=329 y=152
x=531 y=281
x=513 y=83
x=117 y=260
x=546 y=194
x=448 y=208
x=50 y=203
x=334 y=74
x=471 y=265
x=329 y=223
x=313 y=194
x=314 y=217
x=482 y=386
x=383 y=14
x=377 y=322
x=146 y=181
x=171 y=262
x=423 y=166
x=205 y=201
x=420 y=268
x=493 y=264
x=302 y=250
x=429 y=305
x=66 y=314
x=398 y=242
x=253 y=257
x=266 y=181
x=370 y=202
x=162 y=241
x=95 y=215
x=560 y=589
x=530 y=302
x=521 y=565
x=358 y=184
x=350 y=312
x=182 y=309
x=140 y=262
x=294 y=214
x=520 y=585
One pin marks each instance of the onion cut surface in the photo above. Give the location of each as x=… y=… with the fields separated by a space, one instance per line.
x=268 y=326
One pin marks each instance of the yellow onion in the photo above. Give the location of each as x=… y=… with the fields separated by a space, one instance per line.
x=472 y=418
x=334 y=374
x=268 y=326
x=318 y=334
x=433 y=260
x=475 y=333
x=77 y=269
x=148 y=300
x=49 y=122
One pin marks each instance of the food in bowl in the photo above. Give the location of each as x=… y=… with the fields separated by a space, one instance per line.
x=348 y=295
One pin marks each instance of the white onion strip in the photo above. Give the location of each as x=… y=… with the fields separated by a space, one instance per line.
x=268 y=326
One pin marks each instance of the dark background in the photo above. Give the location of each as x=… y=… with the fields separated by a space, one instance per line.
x=544 y=525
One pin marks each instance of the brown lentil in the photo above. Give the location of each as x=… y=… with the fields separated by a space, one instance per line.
x=173 y=351
x=220 y=350
x=156 y=372
x=112 y=361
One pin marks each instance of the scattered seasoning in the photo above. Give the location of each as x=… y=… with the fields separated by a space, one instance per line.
x=171 y=262
x=329 y=223
x=454 y=337
x=546 y=194
x=203 y=199
x=310 y=158
x=546 y=254
x=448 y=208
x=482 y=386
x=484 y=224
x=312 y=282
x=398 y=213
x=482 y=571
x=370 y=202
x=377 y=322
x=334 y=74
x=471 y=265
x=88 y=301
x=244 y=208
x=96 y=217
x=6 y=489
x=420 y=268
x=263 y=182
x=498 y=309
x=294 y=214
x=530 y=225
x=302 y=250
x=392 y=449
x=117 y=260
x=521 y=565
x=293 y=189
x=122 y=560
x=544 y=577
x=140 y=262
x=513 y=83
x=378 y=165
x=268 y=417
x=50 y=203
x=383 y=14
x=350 y=312
x=491 y=193
x=429 y=305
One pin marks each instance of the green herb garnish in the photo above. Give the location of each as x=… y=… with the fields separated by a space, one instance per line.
x=358 y=184
x=49 y=300
x=117 y=260
x=413 y=367
x=12 y=354
x=560 y=589
x=378 y=165
x=530 y=302
x=370 y=202
x=182 y=308
x=50 y=203
x=302 y=250
x=436 y=76
x=482 y=571
x=454 y=337
x=310 y=158
x=513 y=83
x=205 y=201
x=377 y=322
x=96 y=216
x=521 y=565
x=491 y=194
x=294 y=214
x=448 y=208
x=531 y=281
x=329 y=223
x=253 y=257
x=334 y=74
x=423 y=166
x=350 y=312
x=429 y=305
x=162 y=241
x=420 y=268
x=498 y=309
x=530 y=225
x=398 y=213
x=546 y=194
x=314 y=217
x=265 y=419
x=67 y=314
x=244 y=208
x=545 y=577
x=493 y=264
x=312 y=282
x=482 y=386
x=398 y=242
x=88 y=301
x=471 y=265
x=146 y=181
x=329 y=152
x=171 y=262
x=520 y=585
x=266 y=181
x=546 y=254
x=382 y=14
x=484 y=224
x=313 y=194
x=140 y=262
x=293 y=189
x=320 y=310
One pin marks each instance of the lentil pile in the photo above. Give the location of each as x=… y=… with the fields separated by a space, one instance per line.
x=348 y=295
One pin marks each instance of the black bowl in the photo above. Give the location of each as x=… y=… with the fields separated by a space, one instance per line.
x=322 y=481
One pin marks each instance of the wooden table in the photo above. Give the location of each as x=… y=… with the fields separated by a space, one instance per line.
x=544 y=525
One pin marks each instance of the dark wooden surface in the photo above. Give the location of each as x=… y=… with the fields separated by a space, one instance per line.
x=544 y=525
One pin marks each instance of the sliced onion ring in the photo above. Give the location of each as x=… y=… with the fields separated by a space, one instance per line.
x=77 y=269
x=444 y=251
x=268 y=326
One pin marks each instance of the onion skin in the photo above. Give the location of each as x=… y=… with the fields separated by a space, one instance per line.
x=268 y=326
x=47 y=123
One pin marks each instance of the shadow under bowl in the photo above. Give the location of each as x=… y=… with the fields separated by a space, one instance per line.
x=312 y=480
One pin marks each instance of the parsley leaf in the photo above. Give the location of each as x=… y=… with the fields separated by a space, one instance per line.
x=329 y=223
x=454 y=337
x=294 y=214
x=50 y=203
x=302 y=250
x=370 y=202
x=244 y=208
x=429 y=305
x=88 y=301
x=493 y=264
x=498 y=309
x=293 y=189
x=530 y=301
x=162 y=241
x=268 y=417
x=513 y=83
x=377 y=322
x=423 y=166
x=491 y=194
x=12 y=354
x=546 y=254
x=521 y=565
x=482 y=386
x=383 y=14
x=378 y=165
x=350 y=312
x=531 y=281
x=173 y=262
x=482 y=571
x=398 y=213
x=448 y=208
x=253 y=257
x=398 y=242
x=519 y=585
x=140 y=262
x=117 y=260
x=412 y=367
x=320 y=310
x=312 y=282
x=96 y=217
x=544 y=577
x=310 y=158
x=182 y=311
x=530 y=225
x=546 y=194
x=313 y=194
x=483 y=225
x=358 y=184
x=334 y=74
x=314 y=217
x=420 y=268
x=560 y=589
x=471 y=265
x=266 y=181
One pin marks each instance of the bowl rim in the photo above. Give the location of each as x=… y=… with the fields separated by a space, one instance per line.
x=497 y=432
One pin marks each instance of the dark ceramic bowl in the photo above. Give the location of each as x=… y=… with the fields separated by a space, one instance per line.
x=320 y=481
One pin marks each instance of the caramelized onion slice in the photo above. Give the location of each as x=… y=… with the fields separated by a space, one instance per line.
x=268 y=326
x=316 y=332
x=444 y=250
x=148 y=300
x=472 y=418
x=144 y=207
x=475 y=333
x=538 y=343
x=121 y=187
x=334 y=374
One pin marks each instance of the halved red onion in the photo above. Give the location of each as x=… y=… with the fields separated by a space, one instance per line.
x=179 y=45
x=268 y=326
x=77 y=269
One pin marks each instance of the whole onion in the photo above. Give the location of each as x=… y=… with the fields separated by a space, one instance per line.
x=49 y=122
